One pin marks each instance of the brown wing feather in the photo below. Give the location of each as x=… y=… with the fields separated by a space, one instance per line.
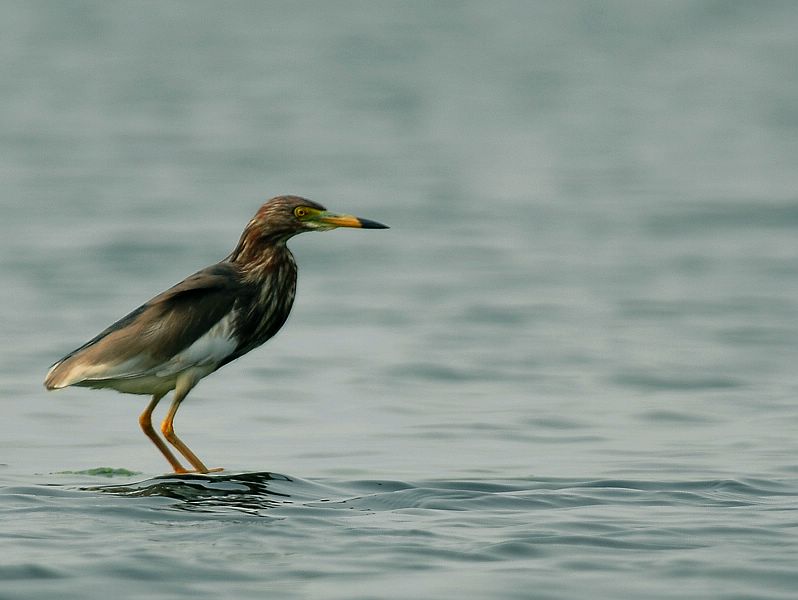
x=156 y=331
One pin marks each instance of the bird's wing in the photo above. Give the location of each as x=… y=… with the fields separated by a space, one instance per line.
x=151 y=338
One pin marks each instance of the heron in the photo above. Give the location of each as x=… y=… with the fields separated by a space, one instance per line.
x=209 y=319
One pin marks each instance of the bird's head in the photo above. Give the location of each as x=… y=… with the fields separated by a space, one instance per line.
x=285 y=216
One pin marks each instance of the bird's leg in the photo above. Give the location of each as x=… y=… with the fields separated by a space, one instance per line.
x=168 y=429
x=145 y=420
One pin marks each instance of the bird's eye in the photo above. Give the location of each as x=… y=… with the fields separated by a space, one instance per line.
x=300 y=212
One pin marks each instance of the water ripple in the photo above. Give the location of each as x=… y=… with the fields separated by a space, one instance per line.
x=258 y=492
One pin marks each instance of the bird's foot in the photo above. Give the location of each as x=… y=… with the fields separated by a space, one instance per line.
x=200 y=471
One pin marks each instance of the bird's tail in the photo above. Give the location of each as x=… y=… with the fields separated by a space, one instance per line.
x=56 y=377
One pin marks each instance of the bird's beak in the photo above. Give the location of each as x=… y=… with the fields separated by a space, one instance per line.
x=334 y=220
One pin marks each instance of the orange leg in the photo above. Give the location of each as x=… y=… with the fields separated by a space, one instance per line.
x=145 y=420
x=168 y=429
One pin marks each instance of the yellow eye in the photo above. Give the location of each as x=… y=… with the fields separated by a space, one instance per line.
x=300 y=212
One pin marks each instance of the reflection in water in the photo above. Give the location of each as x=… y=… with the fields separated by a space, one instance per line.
x=247 y=492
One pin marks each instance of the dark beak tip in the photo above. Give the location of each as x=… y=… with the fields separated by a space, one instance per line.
x=369 y=224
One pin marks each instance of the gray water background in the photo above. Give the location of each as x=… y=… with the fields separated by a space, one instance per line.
x=568 y=370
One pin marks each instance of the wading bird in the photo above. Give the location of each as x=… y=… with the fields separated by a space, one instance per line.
x=207 y=320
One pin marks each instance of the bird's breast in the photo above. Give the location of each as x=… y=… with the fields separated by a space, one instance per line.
x=260 y=313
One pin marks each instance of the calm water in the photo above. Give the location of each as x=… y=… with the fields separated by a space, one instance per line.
x=568 y=370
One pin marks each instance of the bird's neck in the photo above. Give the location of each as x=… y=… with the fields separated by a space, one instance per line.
x=256 y=254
